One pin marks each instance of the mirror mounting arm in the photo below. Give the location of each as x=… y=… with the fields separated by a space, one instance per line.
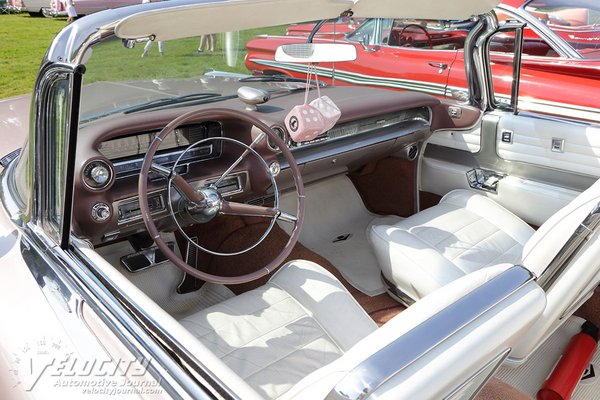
x=315 y=29
x=363 y=43
x=318 y=25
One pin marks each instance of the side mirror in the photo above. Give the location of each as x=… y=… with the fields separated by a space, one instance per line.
x=364 y=41
x=315 y=52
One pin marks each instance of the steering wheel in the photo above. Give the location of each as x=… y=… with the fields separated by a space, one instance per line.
x=207 y=203
x=408 y=40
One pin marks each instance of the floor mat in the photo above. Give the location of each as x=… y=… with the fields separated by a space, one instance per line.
x=160 y=284
x=335 y=226
x=530 y=376
x=240 y=234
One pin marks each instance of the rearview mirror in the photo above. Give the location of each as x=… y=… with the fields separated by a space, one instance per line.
x=315 y=52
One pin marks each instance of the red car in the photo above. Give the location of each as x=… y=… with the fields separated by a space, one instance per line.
x=560 y=66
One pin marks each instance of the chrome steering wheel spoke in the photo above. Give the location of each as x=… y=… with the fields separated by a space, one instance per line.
x=237 y=162
x=208 y=202
x=204 y=203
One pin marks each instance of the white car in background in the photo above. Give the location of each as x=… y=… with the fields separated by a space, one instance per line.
x=35 y=7
x=57 y=8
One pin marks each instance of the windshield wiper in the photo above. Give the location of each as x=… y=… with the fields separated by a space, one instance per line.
x=170 y=100
x=199 y=97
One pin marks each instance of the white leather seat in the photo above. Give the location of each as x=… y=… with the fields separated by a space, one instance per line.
x=463 y=233
x=301 y=334
x=301 y=320
x=466 y=232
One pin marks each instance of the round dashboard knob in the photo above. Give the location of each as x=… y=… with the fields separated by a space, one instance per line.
x=100 y=212
x=100 y=174
x=97 y=174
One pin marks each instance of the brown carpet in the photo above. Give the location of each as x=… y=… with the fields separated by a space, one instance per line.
x=428 y=200
x=387 y=186
x=495 y=389
x=236 y=233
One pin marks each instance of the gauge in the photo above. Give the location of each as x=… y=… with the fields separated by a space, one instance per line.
x=282 y=135
x=97 y=174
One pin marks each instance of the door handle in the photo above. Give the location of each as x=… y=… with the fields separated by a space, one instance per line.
x=441 y=66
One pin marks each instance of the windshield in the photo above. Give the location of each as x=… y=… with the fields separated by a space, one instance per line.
x=575 y=21
x=150 y=75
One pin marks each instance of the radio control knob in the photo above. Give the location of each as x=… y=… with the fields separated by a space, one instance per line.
x=100 y=212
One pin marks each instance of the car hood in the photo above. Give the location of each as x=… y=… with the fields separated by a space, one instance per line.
x=101 y=99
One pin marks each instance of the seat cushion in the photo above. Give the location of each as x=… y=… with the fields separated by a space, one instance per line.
x=463 y=233
x=281 y=332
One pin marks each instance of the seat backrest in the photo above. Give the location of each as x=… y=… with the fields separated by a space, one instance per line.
x=456 y=337
x=563 y=255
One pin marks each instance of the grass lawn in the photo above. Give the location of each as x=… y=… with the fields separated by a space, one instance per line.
x=23 y=43
x=180 y=58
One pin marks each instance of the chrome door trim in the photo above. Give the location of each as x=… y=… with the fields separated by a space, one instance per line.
x=87 y=270
x=586 y=229
x=407 y=349
x=67 y=283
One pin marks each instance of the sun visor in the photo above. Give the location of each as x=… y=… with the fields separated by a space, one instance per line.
x=423 y=9
x=204 y=18
x=186 y=20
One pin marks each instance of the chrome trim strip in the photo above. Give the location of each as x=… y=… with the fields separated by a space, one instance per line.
x=364 y=379
x=117 y=300
x=361 y=79
x=559 y=119
x=578 y=239
x=479 y=74
x=332 y=147
x=9 y=195
x=566 y=111
x=66 y=284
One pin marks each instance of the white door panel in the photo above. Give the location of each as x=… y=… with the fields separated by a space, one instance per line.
x=534 y=202
x=439 y=177
x=532 y=141
x=468 y=140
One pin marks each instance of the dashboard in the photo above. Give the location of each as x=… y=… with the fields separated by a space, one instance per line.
x=110 y=154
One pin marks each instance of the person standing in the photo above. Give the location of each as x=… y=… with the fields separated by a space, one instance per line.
x=71 y=12
x=161 y=47
x=207 y=42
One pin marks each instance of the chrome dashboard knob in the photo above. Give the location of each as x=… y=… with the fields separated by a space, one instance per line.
x=97 y=174
x=100 y=174
x=100 y=212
